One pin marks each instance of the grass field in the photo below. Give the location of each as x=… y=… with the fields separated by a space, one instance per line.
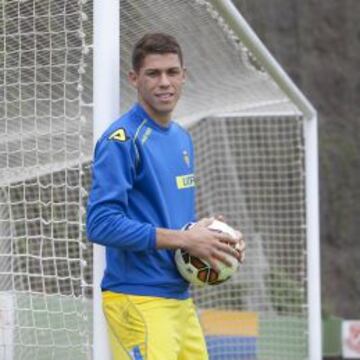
x=60 y=327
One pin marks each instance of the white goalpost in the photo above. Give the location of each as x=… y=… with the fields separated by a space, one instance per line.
x=106 y=109
x=63 y=67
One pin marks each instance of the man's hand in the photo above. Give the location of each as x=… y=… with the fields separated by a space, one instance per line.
x=198 y=240
x=212 y=245
x=241 y=247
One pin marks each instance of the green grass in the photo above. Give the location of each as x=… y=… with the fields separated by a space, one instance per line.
x=283 y=338
x=59 y=327
x=52 y=327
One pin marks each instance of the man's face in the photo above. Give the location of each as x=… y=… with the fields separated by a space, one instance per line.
x=158 y=83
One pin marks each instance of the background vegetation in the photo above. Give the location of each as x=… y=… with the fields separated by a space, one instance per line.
x=318 y=44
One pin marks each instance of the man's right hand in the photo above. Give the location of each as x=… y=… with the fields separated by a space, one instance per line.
x=210 y=245
x=198 y=240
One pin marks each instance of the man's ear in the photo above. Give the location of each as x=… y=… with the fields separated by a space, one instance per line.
x=132 y=76
x=184 y=74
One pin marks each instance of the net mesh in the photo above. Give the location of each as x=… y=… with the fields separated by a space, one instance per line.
x=45 y=127
x=212 y=53
x=250 y=167
x=250 y=170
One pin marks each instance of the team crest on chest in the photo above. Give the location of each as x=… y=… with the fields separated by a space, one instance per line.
x=186 y=158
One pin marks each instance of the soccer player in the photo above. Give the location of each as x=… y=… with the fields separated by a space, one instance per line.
x=142 y=196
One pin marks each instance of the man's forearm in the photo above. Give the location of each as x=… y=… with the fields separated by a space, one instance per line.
x=169 y=239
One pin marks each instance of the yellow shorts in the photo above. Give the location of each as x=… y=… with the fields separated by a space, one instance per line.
x=152 y=328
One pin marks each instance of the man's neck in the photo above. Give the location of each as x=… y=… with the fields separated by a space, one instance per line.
x=161 y=119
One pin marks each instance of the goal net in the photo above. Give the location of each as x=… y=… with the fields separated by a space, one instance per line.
x=251 y=167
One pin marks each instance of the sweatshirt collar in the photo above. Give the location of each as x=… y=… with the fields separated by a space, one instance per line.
x=140 y=112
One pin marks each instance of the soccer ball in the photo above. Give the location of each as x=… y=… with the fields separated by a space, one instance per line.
x=198 y=271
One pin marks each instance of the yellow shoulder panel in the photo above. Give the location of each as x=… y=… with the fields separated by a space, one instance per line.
x=119 y=135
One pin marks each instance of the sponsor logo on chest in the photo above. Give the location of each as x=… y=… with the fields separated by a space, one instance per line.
x=185 y=181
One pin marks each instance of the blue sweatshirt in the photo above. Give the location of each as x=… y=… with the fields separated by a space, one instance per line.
x=143 y=178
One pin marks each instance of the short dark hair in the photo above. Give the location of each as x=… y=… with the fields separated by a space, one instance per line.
x=154 y=43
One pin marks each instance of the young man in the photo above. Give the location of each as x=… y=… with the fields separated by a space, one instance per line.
x=142 y=196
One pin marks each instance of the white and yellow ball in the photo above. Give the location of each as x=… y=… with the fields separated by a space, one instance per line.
x=198 y=271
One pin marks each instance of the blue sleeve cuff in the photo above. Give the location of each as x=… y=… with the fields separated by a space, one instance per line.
x=152 y=238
